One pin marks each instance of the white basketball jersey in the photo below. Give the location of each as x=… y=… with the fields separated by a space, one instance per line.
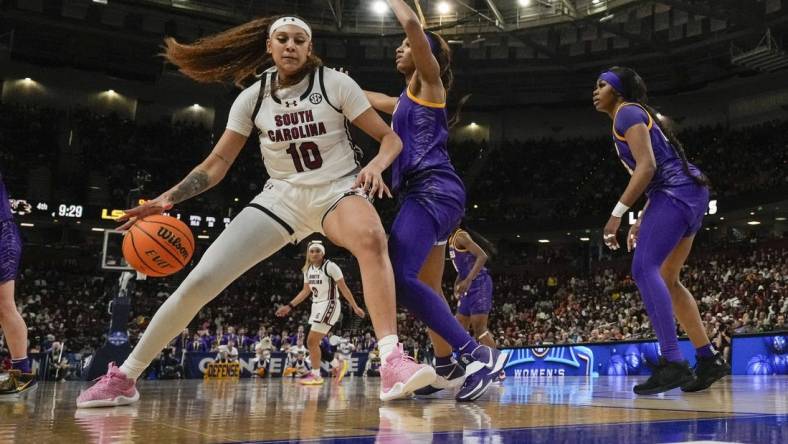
x=323 y=281
x=304 y=138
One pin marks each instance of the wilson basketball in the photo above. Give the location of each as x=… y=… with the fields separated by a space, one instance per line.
x=158 y=245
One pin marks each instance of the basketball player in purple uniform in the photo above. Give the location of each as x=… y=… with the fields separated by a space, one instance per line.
x=678 y=195
x=473 y=286
x=431 y=195
x=20 y=378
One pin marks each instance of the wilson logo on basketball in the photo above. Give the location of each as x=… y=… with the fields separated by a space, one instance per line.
x=173 y=240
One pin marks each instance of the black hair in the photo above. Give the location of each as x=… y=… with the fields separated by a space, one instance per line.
x=487 y=245
x=442 y=52
x=635 y=91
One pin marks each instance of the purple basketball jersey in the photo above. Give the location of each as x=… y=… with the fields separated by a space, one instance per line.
x=424 y=130
x=5 y=204
x=670 y=176
x=463 y=260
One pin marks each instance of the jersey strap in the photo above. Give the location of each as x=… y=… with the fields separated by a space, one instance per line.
x=320 y=76
x=325 y=269
x=259 y=103
x=358 y=153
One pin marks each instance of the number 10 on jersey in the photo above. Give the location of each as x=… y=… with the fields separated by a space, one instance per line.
x=307 y=156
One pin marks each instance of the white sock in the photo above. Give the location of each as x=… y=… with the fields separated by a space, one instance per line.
x=133 y=368
x=387 y=345
x=316 y=372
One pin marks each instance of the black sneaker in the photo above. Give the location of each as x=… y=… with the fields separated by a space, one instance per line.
x=666 y=376
x=17 y=383
x=449 y=376
x=707 y=372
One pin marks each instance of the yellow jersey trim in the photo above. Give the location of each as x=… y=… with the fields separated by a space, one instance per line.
x=650 y=119
x=453 y=237
x=423 y=102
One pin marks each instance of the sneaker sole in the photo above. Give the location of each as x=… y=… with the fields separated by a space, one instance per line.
x=115 y=402
x=709 y=383
x=477 y=392
x=664 y=388
x=421 y=378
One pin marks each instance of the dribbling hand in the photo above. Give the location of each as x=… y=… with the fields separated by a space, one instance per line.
x=609 y=233
x=154 y=206
x=370 y=180
x=283 y=311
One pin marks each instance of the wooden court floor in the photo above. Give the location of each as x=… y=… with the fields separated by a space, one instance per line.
x=740 y=409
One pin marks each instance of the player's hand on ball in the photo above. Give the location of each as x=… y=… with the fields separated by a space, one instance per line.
x=154 y=206
x=370 y=179
x=283 y=311
x=632 y=237
x=359 y=311
x=610 y=231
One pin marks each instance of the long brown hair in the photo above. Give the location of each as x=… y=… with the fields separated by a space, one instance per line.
x=236 y=55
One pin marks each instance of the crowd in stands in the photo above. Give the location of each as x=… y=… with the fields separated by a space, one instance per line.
x=538 y=182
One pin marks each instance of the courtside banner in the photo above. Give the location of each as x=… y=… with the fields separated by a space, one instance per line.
x=764 y=354
x=196 y=363
x=761 y=354
x=608 y=359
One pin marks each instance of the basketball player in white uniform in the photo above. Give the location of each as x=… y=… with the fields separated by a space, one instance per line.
x=323 y=280
x=302 y=112
x=341 y=362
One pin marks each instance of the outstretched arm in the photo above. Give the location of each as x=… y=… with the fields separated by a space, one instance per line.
x=382 y=102
x=426 y=65
x=285 y=309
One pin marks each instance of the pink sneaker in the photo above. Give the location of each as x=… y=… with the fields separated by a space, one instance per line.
x=112 y=390
x=400 y=376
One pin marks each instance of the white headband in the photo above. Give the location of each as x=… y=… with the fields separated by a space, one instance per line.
x=290 y=21
x=319 y=246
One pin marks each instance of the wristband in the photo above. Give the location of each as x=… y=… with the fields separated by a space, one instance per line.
x=619 y=210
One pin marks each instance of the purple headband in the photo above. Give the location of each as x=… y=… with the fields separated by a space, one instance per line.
x=613 y=80
x=431 y=40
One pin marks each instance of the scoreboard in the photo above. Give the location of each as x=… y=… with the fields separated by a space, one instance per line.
x=42 y=211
